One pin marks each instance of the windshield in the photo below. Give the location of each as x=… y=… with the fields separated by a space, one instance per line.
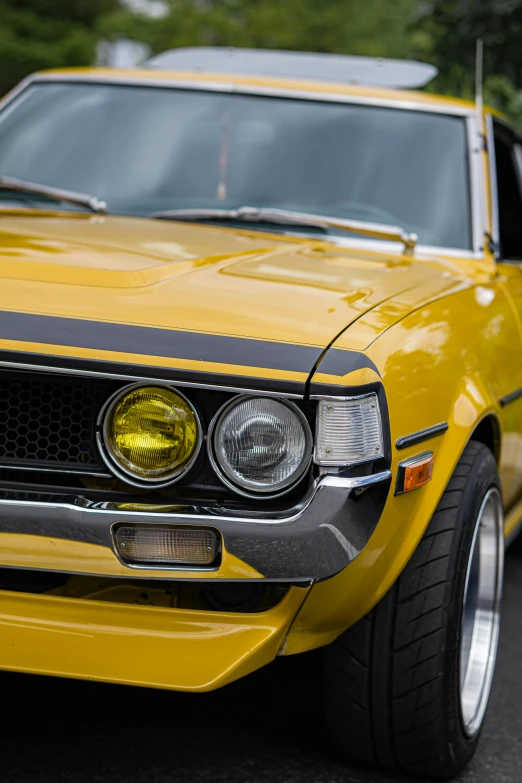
x=147 y=149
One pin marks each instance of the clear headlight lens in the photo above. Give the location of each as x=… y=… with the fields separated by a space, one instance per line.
x=348 y=431
x=262 y=445
x=151 y=433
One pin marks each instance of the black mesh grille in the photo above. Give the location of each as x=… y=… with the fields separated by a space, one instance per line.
x=50 y=420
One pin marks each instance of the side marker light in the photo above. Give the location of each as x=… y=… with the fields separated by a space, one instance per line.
x=414 y=473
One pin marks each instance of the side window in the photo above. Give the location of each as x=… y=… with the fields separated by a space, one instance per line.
x=508 y=154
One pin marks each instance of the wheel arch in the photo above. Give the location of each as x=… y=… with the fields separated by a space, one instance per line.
x=472 y=412
x=488 y=432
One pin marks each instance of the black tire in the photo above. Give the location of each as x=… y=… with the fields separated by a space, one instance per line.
x=392 y=681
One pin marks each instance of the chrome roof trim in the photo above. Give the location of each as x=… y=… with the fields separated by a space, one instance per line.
x=251 y=89
x=50 y=369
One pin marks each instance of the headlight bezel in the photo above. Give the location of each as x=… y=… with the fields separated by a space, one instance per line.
x=268 y=494
x=119 y=470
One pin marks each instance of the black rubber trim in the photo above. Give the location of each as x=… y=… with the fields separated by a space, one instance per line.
x=421 y=435
x=175 y=344
x=139 y=371
x=514 y=395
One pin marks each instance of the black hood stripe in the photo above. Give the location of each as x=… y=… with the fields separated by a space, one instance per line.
x=174 y=344
x=338 y=361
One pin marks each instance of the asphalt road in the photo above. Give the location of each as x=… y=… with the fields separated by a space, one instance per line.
x=264 y=729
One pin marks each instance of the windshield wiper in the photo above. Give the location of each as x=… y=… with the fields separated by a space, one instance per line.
x=286 y=217
x=56 y=194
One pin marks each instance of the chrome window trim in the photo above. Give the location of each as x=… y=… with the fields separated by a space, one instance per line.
x=102 y=440
x=477 y=183
x=493 y=185
x=144 y=379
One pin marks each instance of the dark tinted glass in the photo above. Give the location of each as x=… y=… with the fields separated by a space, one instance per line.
x=144 y=149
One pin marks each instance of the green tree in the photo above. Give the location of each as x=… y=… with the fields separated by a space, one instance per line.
x=452 y=28
x=37 y=34
x=372 y=27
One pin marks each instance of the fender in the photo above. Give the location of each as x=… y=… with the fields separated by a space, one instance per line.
x=434 y=370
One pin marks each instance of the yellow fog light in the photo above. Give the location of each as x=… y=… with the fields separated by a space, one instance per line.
x=151 y=433
x=166 y=545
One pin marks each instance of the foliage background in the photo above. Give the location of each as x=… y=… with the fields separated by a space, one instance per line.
x=38 y=34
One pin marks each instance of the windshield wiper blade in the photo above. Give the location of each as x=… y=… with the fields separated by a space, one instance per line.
x=56 y=194
x=286 y=217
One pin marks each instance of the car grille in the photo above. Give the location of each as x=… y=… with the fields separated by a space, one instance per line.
x=49 y=421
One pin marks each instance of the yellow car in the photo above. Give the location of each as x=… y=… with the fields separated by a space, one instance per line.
x=261 y=385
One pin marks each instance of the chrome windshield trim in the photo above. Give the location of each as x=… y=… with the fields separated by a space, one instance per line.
x=175 y=82
x=493 y=185
x=52 y=370
x=479 y=222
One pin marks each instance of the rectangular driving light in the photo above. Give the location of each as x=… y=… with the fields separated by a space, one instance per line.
x=166 y=545
x=348 y=431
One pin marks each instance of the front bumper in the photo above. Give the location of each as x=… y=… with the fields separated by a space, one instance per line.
x=178 y=649
x=312 y=541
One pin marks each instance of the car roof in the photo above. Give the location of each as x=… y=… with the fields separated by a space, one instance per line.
x=237 y=82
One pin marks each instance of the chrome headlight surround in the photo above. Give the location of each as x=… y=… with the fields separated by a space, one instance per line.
x=260 y=493
x=118 y=470
x=349 y=431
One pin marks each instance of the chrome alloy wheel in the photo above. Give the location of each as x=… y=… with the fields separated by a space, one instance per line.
x=481 y=612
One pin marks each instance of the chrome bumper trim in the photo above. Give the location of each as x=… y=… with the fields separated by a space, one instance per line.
x=314 y=540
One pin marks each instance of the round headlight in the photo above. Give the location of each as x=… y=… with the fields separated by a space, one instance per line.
x=151 y=433
x=261 y=445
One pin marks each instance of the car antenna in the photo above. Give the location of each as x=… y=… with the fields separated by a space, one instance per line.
x=479 y=82
x=479 y=113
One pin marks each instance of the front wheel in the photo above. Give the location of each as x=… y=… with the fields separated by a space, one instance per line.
x=407 y=687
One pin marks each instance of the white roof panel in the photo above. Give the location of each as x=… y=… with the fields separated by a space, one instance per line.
x=346 y=69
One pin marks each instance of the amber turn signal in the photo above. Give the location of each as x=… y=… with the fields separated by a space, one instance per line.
x=414 y=473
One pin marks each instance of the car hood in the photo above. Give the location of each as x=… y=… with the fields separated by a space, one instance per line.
x=174 y=294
